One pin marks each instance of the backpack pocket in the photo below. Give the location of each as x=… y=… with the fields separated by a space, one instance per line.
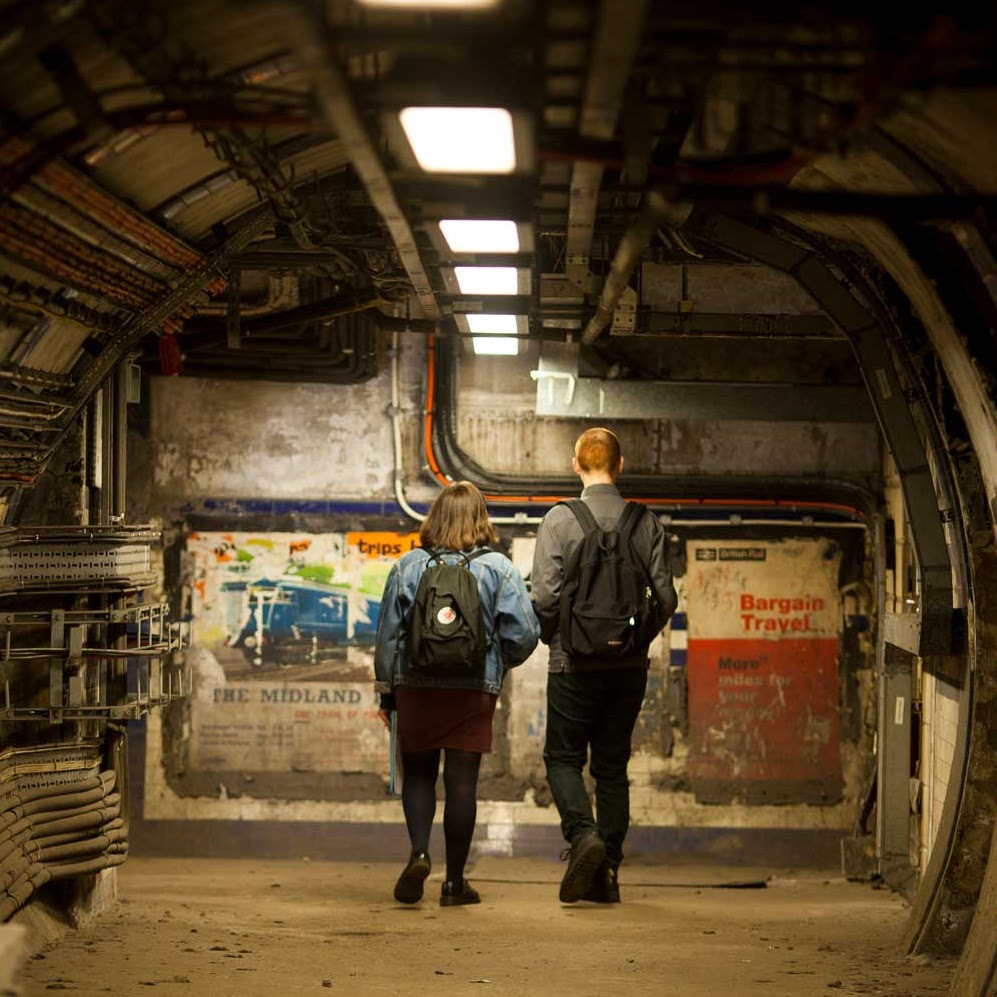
x=446 y=633
x=594 y=633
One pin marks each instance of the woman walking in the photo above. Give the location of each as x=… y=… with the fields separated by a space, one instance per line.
x=444 y=643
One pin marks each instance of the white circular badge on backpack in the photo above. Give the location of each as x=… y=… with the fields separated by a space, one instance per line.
x=446 y=615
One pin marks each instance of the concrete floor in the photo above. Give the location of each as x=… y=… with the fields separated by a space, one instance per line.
x=251 y=928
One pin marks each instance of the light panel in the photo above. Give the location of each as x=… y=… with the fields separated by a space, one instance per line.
x=487 y=280
x=494 y=325
x=495 y=346
x=477 y=235
x=460 y=139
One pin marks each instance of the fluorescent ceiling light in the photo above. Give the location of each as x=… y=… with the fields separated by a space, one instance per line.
x=495 y=346
x=431 y=4
x=461 y=139
x=495 y=325
x=487 y=280
x=498 y=330
x=475 y=235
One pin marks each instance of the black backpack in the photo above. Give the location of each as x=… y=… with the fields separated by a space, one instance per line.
x=608 y=606
x=446 y=630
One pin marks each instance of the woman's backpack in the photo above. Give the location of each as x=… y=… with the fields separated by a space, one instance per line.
x=447 y=629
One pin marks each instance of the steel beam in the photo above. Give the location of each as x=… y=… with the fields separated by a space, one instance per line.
x=775 y=199
x=613 y=47
x=562 y=394
x=889 y=400
x=308 y=38
x=656 y=324
x=903 y=631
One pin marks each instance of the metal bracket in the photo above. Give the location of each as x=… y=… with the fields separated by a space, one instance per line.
x=150 y=638
x=625 y=314
x=550 y=376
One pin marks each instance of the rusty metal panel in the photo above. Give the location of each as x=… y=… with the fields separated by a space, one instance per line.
x=764 y=625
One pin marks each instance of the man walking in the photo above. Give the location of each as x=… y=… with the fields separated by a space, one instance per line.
x=605 y=551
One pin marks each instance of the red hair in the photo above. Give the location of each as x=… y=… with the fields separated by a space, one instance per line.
x=598 y=450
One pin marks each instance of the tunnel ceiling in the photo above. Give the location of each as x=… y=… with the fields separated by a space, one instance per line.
x=224 y=188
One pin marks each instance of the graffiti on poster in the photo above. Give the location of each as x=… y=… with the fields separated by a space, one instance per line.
x=763 y=646
x=288 y=600
x=281 y=663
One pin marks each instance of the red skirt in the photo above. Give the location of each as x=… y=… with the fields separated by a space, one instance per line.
x=444 y=718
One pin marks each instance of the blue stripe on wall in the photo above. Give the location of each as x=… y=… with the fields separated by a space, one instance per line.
x=389 y=508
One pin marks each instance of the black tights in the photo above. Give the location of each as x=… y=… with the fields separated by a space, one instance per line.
x=460 y=780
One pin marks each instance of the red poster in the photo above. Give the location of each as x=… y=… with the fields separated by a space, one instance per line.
x=763 y=672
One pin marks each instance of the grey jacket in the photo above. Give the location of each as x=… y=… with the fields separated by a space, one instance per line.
x=560 y=533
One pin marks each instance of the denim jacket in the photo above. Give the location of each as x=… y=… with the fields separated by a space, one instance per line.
x=509 y=620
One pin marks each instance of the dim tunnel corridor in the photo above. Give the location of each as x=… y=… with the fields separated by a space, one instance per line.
x=274 y=274
x=240 y=928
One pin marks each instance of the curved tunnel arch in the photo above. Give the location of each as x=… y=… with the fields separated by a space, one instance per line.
x=936 y=509
x=938 y=917
x=955 y=153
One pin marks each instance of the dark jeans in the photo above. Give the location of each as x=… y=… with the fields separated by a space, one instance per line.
x=594 y=710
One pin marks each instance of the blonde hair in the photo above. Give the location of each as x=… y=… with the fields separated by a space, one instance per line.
x=598 y=450
x=458 y=520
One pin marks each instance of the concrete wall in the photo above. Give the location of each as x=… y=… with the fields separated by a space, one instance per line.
x=498 y=426
x=285 y=463
x=297 y=441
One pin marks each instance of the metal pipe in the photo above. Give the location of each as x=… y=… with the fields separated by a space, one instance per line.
x=328 y=309
x=614 y=44
x=396 y=434
x=106 y=444
x=395 y=413
x=282 y=293
x=307 y=36
x=817 y=524
x=119 y=462
x=657 y=211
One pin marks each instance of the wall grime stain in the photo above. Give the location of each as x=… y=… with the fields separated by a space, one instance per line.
x=337 y=445
x=763 y=683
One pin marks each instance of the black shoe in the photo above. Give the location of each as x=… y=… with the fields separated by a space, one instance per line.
x=408 y=889
x=605 y=888
x=584 y=856
x=456 y=894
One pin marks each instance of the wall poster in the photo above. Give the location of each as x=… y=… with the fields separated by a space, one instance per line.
x=283 y=628
x=764 y=627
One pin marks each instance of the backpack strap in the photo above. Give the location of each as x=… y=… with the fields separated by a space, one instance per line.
x=632 y=514
x=629 y=518
x=437 y=555
x=583 y=514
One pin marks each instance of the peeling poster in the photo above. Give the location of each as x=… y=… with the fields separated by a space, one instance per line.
x=764 y=624
x=283 y=628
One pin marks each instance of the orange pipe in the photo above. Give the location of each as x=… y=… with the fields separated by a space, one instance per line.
x=430 y=406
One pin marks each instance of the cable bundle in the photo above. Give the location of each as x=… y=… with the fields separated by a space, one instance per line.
x=57 y=832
